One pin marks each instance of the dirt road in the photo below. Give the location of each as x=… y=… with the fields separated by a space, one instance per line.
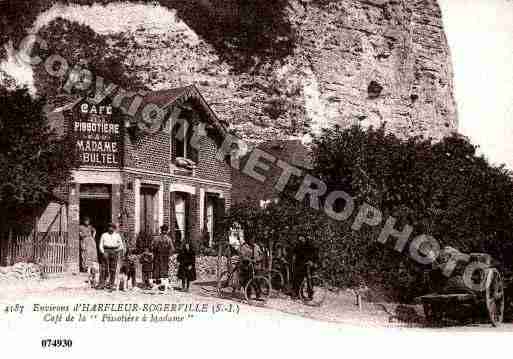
x=338 y=312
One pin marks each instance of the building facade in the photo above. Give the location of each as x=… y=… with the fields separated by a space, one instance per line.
x=142 y=177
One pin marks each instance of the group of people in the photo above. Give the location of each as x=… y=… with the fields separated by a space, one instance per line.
x=112 y=257
x=292 y=264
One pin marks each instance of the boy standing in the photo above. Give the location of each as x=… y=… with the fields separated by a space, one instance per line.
x=147 y=267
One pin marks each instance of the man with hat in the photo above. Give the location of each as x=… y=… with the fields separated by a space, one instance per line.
x=111 y=248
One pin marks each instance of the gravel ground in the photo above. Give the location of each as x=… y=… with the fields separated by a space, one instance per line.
x=337 y=308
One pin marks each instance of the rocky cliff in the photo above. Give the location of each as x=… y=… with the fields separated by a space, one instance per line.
x=289 y=67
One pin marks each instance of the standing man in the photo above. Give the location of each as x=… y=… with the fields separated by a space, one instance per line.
x=250 y=252
x=87 y=244
x=305 y=254
x=111 y=248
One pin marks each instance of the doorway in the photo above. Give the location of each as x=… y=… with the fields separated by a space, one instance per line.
x=99 y=212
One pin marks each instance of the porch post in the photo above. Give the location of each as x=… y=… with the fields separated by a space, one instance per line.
x=72 y=262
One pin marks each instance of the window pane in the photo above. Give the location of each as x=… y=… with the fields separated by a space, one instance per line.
x=210 y=220
x=180 y=214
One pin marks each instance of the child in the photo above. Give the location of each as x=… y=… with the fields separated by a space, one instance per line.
x=186 y=266
x=147 y=267
x=94 y=271
x=91 y=262
x=128 y=270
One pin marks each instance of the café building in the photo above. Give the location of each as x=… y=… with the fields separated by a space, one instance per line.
x=142 y=177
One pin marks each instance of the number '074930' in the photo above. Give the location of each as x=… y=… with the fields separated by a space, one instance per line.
x=56 y=343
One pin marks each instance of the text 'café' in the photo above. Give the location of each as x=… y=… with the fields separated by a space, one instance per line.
x=143 y=180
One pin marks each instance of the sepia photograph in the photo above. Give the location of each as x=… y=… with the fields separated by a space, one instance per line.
x=256 y=177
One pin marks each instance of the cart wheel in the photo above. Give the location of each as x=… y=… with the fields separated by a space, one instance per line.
x=428 y=312
x=432 y=313
x=313 y=293
x=494 y=297
x=257 y=290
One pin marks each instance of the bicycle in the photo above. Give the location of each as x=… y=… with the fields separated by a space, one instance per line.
x=229 y=280
x=258 y=284
x=278 y=278
x=313 y=289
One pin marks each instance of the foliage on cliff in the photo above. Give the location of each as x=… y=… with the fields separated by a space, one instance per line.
x=81 y=47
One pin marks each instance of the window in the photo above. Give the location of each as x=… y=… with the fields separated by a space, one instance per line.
x=180 y=215
x=214 y=205
x=182 y=134
x=264 y=203
x=149 y=209
x=210 y=219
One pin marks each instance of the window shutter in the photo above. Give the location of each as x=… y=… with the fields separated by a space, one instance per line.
x=193 y=153
x=204 y=219
x=194 y=157
x=172 y=218
x=188 y=222
x=219 y=212
x=192 y=214
x=173 y=143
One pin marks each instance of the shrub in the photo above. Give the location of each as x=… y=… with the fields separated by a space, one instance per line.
x=443 y=189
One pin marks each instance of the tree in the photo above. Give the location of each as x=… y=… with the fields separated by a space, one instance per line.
x=81 y=46
x=443 y=188
x=34 y=159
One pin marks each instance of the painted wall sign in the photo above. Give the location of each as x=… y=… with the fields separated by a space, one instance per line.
x=98 y=134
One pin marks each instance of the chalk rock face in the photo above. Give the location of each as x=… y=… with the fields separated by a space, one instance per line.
x=377 y=61
x=317 y=63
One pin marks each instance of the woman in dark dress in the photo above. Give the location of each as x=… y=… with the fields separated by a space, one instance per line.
x=186 y=266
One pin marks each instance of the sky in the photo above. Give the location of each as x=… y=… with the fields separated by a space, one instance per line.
x=480 y=35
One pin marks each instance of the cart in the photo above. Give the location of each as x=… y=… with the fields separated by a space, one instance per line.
x=453 y=294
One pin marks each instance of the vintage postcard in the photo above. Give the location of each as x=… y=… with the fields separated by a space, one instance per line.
x=246 y=178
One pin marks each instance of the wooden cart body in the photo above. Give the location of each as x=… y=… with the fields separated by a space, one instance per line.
x=488 y=299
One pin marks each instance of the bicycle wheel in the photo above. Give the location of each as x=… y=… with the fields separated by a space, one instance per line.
x=227 y=284
x=277 y=282
x=257 y=290
x=313 y=293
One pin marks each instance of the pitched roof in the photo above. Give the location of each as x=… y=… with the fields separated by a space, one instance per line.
x=54 y=111
x=293 y=152
x=164 y=99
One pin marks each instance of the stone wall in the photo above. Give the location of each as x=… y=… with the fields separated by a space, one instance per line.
x=206 y=268
x=20 y=271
